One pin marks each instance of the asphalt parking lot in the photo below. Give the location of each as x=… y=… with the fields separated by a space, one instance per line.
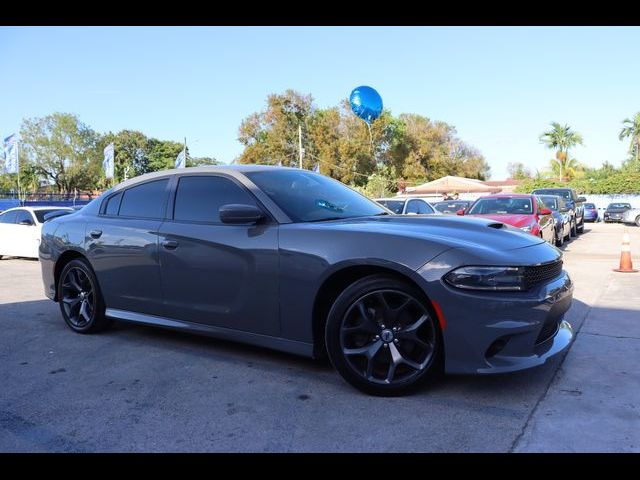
x=136 y=388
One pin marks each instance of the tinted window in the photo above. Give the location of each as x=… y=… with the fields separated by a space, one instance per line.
x=198 y=199
x=619 y=206
x=146 y=200
x=24 y=215
x=113 y=204
x=551 y=202
x=419 y=207
x=566 y=194
x=451 y=207
x=590 y=206
x=40 y=214
x=306 y=196
x=9 y=217
x=395 y=206
x=501 y=205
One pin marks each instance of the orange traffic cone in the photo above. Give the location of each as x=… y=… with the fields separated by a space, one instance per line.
x=626 y=266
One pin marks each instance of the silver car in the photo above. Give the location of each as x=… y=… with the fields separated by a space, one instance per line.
x=631 y=217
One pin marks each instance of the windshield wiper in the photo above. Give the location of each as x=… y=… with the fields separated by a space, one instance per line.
x=382 y=213
x=327 y=219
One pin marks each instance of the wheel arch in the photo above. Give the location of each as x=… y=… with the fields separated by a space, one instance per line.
x=340 y=278
x=63 y=260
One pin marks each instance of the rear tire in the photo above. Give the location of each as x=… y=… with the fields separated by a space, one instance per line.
x=383 y=337
x=80 y=299
x=574 y=231
x=638 y=221
x=580 y=229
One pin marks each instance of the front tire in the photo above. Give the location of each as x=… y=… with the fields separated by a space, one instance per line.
x=80 y=299
x=574 y=229
x=559 y=241
x=382 y=336
x=580 y=229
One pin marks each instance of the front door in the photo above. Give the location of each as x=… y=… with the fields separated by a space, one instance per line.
x=214 y=273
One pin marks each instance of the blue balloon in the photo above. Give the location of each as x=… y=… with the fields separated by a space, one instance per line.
x=366 y=103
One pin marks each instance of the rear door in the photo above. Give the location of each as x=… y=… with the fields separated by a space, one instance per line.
x=122 y=244
x=214 y=273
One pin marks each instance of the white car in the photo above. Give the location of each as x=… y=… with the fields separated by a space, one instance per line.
x=631 y=217
x=20 y=230
x=408 y=206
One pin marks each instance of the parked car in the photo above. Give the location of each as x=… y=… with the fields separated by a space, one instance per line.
x=291 y=260
x=614 y=212
x=631 y=216
x=574 y=203
x=561 y=218
x=20 y=230
x=523 y=211
x=591 y=212
x=451 y=207
x=407 y=206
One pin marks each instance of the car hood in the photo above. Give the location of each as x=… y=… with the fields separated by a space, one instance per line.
x=517 y=220
x=450 y=231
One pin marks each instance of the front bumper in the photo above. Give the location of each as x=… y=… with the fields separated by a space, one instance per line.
x=493 y=332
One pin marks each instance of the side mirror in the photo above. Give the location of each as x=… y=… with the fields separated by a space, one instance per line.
x=26 y=221
x=460 y=212
x=581 y=199
x=545 y=211
x=240 y=214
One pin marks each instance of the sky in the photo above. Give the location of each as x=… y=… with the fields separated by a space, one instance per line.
x=499 y=86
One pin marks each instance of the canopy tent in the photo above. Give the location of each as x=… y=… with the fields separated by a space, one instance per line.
x=451 y=184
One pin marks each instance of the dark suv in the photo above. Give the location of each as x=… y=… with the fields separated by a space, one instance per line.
x=575 y=204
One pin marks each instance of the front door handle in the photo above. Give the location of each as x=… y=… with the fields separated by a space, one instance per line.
x=170 y=244
x=95 y=233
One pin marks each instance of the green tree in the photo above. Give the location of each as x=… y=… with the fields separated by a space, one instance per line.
x=562 y=139
x=131 y=155
x=631 y=129
x=518 y=171
x=201 y=161
x=162 y=154
x=62 y=150
x=569 y=170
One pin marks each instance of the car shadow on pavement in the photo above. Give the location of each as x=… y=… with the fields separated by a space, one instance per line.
x=39 y=325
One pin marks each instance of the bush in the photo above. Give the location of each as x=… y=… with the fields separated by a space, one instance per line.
x=616 y=182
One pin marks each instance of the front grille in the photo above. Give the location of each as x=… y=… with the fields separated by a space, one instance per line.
x=549 y=329
x=541 y=273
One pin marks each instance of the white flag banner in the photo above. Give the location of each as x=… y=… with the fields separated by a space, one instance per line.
x=181 y=160
x=317 y=168
x=11 y=154
x=107 y=163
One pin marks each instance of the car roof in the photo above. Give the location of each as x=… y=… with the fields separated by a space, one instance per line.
x=508 y=195
x=36 y=209
x=228 y=169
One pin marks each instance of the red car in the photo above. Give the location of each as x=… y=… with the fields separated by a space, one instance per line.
x=527 y=212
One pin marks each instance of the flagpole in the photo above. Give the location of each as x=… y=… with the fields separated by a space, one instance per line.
x=18 y=165
x=300 y=143
x=185 y=152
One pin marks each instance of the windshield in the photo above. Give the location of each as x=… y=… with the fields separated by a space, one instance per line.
x=500 y=206
x=395 y=206
x=619 y=205
x=308 y=197
x=41 y=213
x=589 y=206
x=566 y=194
x=550 y=202
x=450 y=206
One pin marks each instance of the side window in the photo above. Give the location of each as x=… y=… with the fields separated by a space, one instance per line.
x=8 y=217
x=113 y=204
x=145 y=201
x=413 y=206
x=424 y=207
x=198 y=199
x=23 y=215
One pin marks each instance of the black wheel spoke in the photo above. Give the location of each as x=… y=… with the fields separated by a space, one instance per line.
x=381 y=321
x=77 y=297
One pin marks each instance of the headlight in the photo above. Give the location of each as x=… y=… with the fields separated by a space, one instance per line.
x=487 y=278
x=526 y=229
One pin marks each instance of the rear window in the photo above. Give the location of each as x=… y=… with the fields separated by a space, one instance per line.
x=619 y=205
x=40 y=214
x=395 y=206
x=145 y=201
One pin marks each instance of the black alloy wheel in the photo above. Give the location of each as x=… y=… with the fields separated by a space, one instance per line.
x=80 y=301
x=381 y=337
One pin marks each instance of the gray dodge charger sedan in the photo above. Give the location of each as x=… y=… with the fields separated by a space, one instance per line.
x=295 y=261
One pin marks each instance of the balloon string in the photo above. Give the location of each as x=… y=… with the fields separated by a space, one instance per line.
x=370 y=138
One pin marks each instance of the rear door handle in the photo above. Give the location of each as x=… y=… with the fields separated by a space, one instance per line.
x=95 y=233
x=170 y=244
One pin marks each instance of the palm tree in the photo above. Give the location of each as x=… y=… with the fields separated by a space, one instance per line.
x=568 y=169
x=632 y=129
x=561 y=138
